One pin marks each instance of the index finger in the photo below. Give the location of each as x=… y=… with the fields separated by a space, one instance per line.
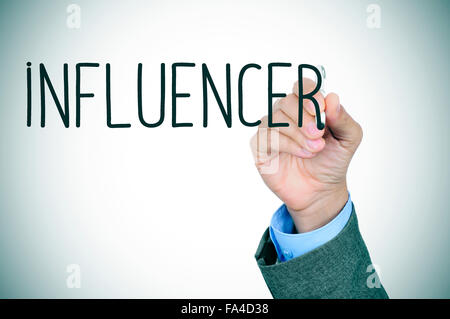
x=308 y=105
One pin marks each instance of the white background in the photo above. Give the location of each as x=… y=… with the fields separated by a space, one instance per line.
x=178 y=212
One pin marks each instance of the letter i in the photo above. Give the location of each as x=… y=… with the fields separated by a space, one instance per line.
x=28 y=94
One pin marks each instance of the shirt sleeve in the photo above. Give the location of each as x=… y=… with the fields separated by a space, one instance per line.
x=289 y=244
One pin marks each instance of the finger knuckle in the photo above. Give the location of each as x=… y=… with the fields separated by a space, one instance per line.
x=359 y=134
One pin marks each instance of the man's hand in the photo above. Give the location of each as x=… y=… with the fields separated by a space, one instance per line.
x=312 y=164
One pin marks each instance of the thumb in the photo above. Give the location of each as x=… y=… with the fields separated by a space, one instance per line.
x=343 y=127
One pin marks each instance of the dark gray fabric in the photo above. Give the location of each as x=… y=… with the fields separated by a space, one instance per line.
x=337 y=269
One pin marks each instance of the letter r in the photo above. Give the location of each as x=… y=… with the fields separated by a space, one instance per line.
x=310 y=95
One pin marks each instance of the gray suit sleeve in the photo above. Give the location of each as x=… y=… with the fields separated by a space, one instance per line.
x=337 y=269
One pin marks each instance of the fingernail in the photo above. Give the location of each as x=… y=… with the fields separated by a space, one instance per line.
x=304 y=153
x=314 y=144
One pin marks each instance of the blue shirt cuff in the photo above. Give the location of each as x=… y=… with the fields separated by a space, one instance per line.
x=289 y=244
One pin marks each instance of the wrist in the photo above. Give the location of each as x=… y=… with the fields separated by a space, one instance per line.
x=323 y=209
